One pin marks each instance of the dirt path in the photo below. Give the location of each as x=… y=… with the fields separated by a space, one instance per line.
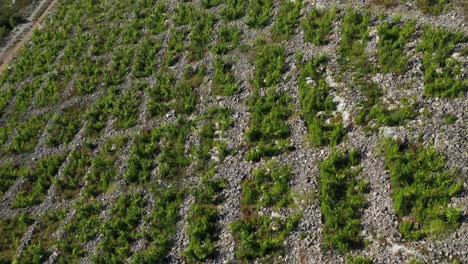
x=23 y=32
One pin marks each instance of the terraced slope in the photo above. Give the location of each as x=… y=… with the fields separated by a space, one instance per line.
x=222 y=131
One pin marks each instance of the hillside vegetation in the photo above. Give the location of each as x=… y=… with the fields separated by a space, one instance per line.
x=235 y=131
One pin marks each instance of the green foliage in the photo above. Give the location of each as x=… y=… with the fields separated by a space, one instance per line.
x=260 y=235
x=65 y=126
x=200 y=35
x=97 y=115
x=163 y=226
x=103 y=169
x=74 y=172
x=234 y=9
x=5 y=97
x=342 y=200
x=317 y=25
x=25 y=95
x=269 y=64
x=184 y=92
x=50 y=93
x=11 y=230
x=82 y=228
x=126 y=108
x=38 y=179
x=442 y=73
x=119 y=229
x=228 y=39
x=433 y=7
x=268 y=133
x=317 y=105
x=121 y=62
x=185 y=14
x=393 y=37
x=146 y=56
x=259 y=13
x=8 y=175
x=422 y=189
x=372 y=109
x=286 y=19
x=160 y=94
x=269 y=186
x=201 y=221
x=352 y=48
x=358 y=260
x=210 y=3
x=224 y=82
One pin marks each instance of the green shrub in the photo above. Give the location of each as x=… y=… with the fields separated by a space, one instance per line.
x=160 y=94
x=442 y=73
x=393 y=37
x=317 y=25
x=433 y=7
x=8 y=175
x=185 y=14
x=98 y=114
x=28 y=133
x=269 y=186
x=38 y=180
x=12 y=229
x=25 y=95
x=358 y=260
x=269 y=64
x=317 y=105
x=352 y=48
x=65 y=126
x=83 y=227
x=50 y=93
x=185 y=93
x=127 y=106
x=268 y=132
x=73 y=173
x=233 y=9
x=103 y=169
x=201 y=221
x=224 y=82
x=228 y=39
x=5 y=97
x=163 y=226
x=210 y=3
x=91 y=73
x=259 y=13
x=422 y=189
x=118 y=231
x=259 y=236
x=122 y=58
x=145 y=60
x=200 y=35
x=342 y=200
x=286 y=19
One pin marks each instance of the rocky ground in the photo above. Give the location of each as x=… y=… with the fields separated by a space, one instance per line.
x=380 y=224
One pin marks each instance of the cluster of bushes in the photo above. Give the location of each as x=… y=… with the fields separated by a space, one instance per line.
x=146 y=58
x=50 y=93
x=433 y=7
x=286 y=19
x=352 y=48
x=38 y=179
x=175 y=46
x=228 y=39
x=5 y=97
x=121 y=62
x=324 y=127
x=64 y=126
x=25 y=95
x=167 y=141
x=103 y=169
x=259 y=235
x=422 y=189
x=119 y=230
x=200 y=35
x=210 y=3
x=201 y=221
x=211 y=150
x=393 y=37
x=162 y=226
x=97 y=115
x=259 y=13
x=268 y=133
x=372 y=109
x=8 y=174
x=268 y=186
x=233 y=9
x=83 y=227
x=342 y=199
x=11 y=230
x=127 y=106
x=90 y=74
x=224 y=82
x=160 y=94
x=74 y=172
x=27 y=134
x=443 y=74
x=317 y=25
x=38 y=249
x=270 y=63
x=185 y=91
